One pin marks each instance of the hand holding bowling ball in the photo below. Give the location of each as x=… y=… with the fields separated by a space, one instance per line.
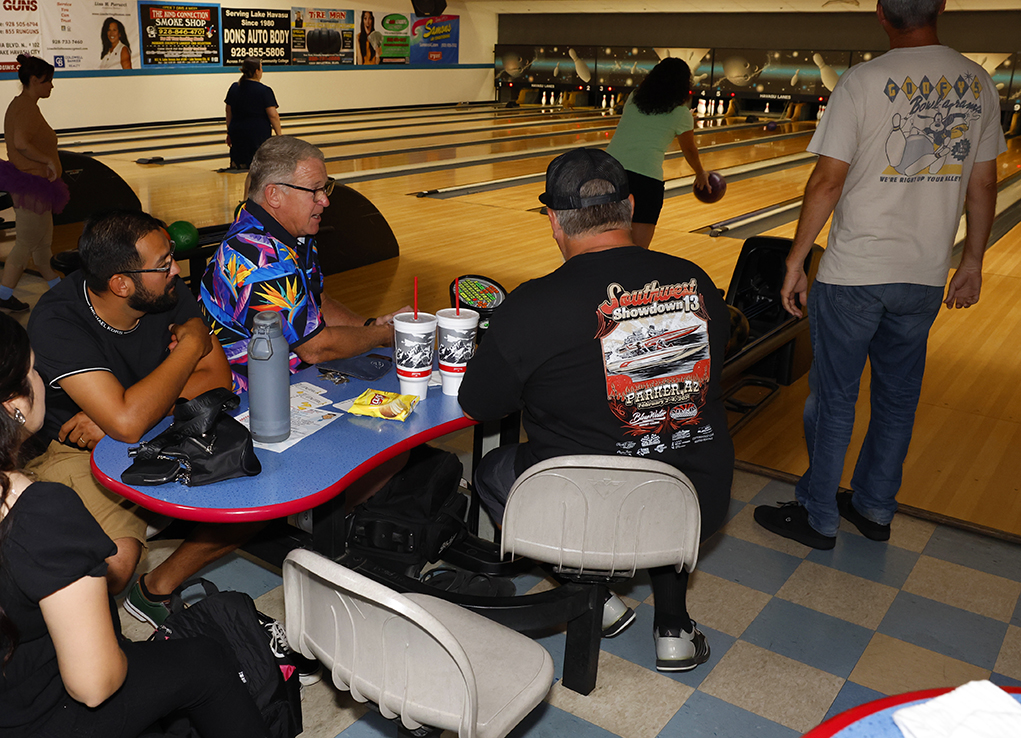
x=716 y=190
x=184 y=235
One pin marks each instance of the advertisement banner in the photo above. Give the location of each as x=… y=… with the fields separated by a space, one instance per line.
x=382 y=40
x=263 y=34
x=179 y=34
x=434 y=40
x=91 y=34
x=21 y=34
x=322 y=36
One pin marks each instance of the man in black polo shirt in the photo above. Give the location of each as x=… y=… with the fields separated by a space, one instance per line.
x=617 y=352
x=117 y=343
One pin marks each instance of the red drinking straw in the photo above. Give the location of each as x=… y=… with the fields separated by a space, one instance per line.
x=416 y=298
x=457 y=297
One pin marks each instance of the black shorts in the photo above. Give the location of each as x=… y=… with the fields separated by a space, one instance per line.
x=648 y=194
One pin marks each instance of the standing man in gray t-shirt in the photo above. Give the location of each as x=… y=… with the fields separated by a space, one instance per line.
x=908 y=140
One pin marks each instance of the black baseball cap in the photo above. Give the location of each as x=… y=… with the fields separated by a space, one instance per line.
x=568 y=172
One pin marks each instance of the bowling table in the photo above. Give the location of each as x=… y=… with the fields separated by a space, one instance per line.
x=310 y=475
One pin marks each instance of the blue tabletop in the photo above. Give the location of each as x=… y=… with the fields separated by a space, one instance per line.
x=308 y=474
x=875 y=719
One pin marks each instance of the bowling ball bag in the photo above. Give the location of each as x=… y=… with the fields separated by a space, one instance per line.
x=415 y=516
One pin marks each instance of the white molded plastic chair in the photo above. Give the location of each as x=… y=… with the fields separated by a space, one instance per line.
x=598 y=519
x=420 y=658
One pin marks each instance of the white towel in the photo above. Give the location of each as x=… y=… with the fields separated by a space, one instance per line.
x=974 y=710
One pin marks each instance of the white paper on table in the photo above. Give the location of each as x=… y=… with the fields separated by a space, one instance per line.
x=977 y=709
x=306 y=388
x=306 y=419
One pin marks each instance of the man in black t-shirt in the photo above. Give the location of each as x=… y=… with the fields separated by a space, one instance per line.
x=117 y=343
x=617 y=352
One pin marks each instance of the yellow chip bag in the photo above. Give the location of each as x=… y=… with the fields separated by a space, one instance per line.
x=379 y=404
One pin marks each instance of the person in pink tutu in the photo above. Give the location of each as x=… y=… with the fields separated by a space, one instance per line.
x=32 y=177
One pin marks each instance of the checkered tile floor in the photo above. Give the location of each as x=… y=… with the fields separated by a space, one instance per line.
x=797 y=635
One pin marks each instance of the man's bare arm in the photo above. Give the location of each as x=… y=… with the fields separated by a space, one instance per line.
x=966 y=284
x=345 y=334
x=821 y=195
x=211 y=372
x=126 y=414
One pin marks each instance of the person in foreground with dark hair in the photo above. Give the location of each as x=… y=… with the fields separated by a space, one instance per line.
x=564 y=349
x=654 y=115
x=118 y=342
x=252 y=117
x=32 y=177
x=65 y=670
x=899 y=160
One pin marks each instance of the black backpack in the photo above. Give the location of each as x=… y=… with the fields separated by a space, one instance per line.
x=230 y=618
x=415 y=516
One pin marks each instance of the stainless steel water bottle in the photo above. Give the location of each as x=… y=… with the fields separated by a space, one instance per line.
x=269 y=380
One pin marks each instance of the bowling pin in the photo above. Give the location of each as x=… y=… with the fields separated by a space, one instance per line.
x=580 y=66
x=700 y=108
x=604 y=101
x=895 y=142
x=556 y=70
x=544 y=97
x=767 y=107
x=826 y=72
x=794 y=79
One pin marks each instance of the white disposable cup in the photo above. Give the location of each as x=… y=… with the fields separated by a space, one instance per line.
x=414 y=340
x=456 y=345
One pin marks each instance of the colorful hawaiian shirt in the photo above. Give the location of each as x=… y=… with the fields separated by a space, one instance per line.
x=258 y=267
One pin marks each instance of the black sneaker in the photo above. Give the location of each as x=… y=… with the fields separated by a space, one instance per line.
x=790 y=520
x=14 y=305
x=310 y=671
x=872 y=531
x=680 y=651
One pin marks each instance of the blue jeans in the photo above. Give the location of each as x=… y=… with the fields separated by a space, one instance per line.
x=888 y=324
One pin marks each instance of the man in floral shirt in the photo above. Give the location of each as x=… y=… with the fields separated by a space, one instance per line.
x=268 y=261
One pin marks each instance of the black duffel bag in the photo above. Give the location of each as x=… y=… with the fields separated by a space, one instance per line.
x=203 y=445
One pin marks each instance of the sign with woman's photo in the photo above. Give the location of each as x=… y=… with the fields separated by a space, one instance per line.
x=90 y=34
x=179 y=34
x=262 y=33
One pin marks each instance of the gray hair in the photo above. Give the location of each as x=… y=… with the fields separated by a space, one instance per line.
x=275 y=161
x=598 y=218
x=905 y=15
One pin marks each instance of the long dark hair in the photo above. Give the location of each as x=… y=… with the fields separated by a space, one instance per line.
x=363 y=35
x=107 y=46
x=667 y=86
x=33 y=66
x=15 y=360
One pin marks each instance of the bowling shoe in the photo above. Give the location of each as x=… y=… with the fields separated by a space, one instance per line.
x=790 y=520
x=617 y=617
x=13 y=304
x=677 y=650
x=872 y=531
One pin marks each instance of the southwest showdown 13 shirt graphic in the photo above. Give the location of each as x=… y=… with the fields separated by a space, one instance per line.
x=655 y=344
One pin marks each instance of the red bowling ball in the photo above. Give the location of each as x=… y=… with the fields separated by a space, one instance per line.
x=717 y=189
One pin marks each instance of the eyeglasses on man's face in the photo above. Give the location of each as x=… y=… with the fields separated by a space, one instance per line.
x=168 y=265
x=326 y=189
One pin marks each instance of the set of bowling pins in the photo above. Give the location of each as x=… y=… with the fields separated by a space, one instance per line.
x=819 y=112
x=553 y=98
x=708 y=107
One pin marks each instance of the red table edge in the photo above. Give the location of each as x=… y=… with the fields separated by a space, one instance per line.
x=282 y=510
x=848 y=717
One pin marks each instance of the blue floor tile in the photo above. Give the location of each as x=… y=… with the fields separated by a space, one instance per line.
x=878 y=562
x=823 y=641
x=239 y=574
x=1003 y=681
x=636 y=645
x=370 y=725
x=747 y=563
x=702 y=716
x=948 y=630
x=852 y=695
x=976 y=551
x=733 y=509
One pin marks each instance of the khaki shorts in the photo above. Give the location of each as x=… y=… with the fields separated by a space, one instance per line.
x=118 y=517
